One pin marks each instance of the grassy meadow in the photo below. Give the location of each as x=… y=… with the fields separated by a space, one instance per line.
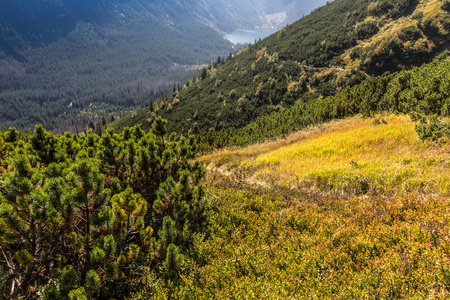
x=353 y=209
x=351 y=157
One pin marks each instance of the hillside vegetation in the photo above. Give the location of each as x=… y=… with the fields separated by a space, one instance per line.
x=350 y=209
x=420 y=92
x=337 y=46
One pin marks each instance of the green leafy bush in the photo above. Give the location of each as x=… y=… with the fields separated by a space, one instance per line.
x=429 y=27
x=393 y=9
x=411 y=33
x=433 y=129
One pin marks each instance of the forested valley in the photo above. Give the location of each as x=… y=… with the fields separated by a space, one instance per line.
x=94 y=73
x=68 y=63
x=102 y=72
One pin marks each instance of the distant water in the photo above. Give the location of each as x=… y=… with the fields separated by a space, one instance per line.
x=243 y=36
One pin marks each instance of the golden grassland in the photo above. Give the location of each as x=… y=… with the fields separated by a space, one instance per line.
x=353 y=156
x=293 y=219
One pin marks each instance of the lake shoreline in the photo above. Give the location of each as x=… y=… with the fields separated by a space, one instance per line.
x=246 y=36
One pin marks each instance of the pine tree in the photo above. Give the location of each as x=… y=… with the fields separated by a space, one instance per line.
x=151 y=108
x=98 y=129
x=11 y=135
x=95 y=217
x=203 y=73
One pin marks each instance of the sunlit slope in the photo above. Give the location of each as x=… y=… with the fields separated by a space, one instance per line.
x=350 y=210
x=355 y=156
x=336 y=46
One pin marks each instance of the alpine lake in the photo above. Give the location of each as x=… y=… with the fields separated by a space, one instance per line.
x=246 y=36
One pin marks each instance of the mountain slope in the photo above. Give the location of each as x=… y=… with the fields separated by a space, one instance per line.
x=336 y=46
x=65 y=63
x=346 y=210
x=420 y=92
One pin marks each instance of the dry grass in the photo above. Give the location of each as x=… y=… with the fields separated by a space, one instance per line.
x=352 y=156
x=432 y=8
x=297 y=219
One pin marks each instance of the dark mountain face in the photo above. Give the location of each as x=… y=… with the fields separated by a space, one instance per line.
x=43 y=21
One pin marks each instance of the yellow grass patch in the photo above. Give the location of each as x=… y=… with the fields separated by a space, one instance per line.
x=352 y=156
x=432 y=8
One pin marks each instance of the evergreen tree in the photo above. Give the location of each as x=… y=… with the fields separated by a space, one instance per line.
x=96 y=217
x=203 y=73
x=98 y=129
x=11 y=135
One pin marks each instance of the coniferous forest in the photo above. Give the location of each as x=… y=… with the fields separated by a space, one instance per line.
x=66 y=63
x=311 y=164
x=101 y=72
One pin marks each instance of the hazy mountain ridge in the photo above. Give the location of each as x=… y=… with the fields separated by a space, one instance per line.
x=41 y=21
